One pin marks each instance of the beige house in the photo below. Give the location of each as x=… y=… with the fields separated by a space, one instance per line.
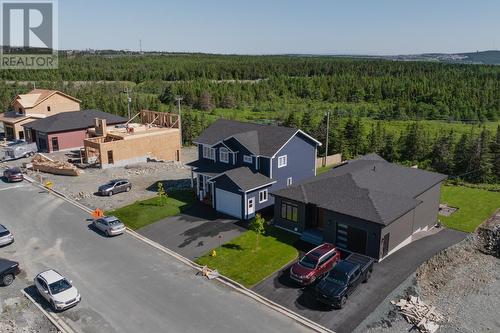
x=37 y=104
x=156 y=136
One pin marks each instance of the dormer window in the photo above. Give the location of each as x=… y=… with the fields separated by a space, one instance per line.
x=224 y=155
x=208 y=153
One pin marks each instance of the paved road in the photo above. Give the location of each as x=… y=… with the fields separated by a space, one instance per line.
x=194 y=232
x=126 y=285
x=387 y=275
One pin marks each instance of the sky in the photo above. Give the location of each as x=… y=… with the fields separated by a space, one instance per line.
x=377 y=27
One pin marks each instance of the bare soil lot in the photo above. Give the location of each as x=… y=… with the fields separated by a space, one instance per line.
x=461 y=282
x=144 y=177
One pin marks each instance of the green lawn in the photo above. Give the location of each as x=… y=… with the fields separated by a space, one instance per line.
x=324 y=169
x=475 y=206
x=240 y=261
x=142 y=213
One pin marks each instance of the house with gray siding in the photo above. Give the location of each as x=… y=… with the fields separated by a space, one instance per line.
x=367 y=205
x=240 y=163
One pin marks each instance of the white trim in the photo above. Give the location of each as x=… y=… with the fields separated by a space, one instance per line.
x=224 y=151
x=245 y=205
x=282 y=165
x=251 y=199
x=211 y=152
x=267 y=195
x=315 y=161
x=289 y=181
x=271 y=167
x=256 y=188
x=248 y=156
x=299 y=131
x=257 y=163
x=212 y=190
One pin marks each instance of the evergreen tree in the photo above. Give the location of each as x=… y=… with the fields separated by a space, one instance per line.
x=442 y=154
x=414 y=143
x=495 y=156
x=306 y=123
x=292 y=120
x=205 y=102
x=389 y=151
x=461 y=154
x=480 y=159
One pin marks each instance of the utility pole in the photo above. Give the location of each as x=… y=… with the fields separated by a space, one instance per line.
x=179 y=99
x=327 y=135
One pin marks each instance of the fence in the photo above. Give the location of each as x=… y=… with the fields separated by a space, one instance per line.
x=329 y=160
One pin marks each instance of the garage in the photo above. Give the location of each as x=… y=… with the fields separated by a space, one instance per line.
x=350 y=238
x=228 y=203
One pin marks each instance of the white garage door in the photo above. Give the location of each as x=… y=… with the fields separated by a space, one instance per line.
x=228 y=203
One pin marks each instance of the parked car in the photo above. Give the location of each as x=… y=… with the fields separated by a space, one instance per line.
x=8 y=271
x=110 y=225
x=343 y=279
x=115 y=186
x=13 y=175
x=315 y=264
x=6 y=237
x=57 y=290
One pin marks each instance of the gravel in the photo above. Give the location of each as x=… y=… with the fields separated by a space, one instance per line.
x=143 y=176
x=461 y=282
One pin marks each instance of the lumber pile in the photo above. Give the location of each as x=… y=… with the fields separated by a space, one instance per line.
x=43 y=163
x=421 y=315
x=209 y=273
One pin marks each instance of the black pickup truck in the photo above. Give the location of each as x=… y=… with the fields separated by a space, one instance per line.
x=344 y=278
x=8 y=270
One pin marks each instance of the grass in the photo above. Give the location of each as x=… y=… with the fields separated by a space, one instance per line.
x=324 y=169
x=475 y=206
x=142 y=213
x=242 y=262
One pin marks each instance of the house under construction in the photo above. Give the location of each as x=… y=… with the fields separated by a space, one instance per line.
x=156 y=136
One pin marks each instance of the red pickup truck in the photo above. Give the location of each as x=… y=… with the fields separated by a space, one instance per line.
x=315 y=264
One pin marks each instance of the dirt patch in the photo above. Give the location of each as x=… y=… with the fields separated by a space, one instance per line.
x=461 y=282
x=143 y=176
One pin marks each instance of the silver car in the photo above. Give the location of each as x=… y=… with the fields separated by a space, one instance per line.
x=110 y=225
x=6 y=237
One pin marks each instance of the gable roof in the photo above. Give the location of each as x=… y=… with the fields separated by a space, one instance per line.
x=246 y=179
x=368 y=188
x=263 y=140
x=36 y=96
x=74 y=120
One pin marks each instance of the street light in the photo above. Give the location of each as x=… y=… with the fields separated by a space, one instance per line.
x=129 y=101
x=179 y=99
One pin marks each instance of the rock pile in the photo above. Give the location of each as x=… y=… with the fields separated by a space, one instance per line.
x=489 y=235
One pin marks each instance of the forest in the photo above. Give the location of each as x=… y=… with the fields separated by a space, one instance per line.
x=447 y=114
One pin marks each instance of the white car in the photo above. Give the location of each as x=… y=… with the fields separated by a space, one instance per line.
x=57 y=290
x=6 y=236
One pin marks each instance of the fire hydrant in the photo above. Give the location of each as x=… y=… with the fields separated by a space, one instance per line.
x=213 y=254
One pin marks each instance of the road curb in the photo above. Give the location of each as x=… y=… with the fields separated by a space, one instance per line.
x=56 y=321
x=223 y=279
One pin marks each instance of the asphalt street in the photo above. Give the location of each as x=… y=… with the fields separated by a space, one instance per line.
x=126 y=285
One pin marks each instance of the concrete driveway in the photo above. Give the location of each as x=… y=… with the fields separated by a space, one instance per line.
x=126 y=284
x=387 y=275
x=194 y=232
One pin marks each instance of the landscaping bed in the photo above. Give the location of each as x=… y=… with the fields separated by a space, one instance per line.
x=145 y=212
x=247 y=264
x=474 y=206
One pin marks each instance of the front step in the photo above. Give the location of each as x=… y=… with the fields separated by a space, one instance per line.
x=312 y=236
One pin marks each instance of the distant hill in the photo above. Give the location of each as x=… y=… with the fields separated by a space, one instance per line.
x=481 y=57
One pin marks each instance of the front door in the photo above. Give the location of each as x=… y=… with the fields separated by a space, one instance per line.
x=55 y=144
x=385 y=244
x=251 y=206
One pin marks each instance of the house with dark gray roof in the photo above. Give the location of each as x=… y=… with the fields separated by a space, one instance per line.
x=366 y=205
x=240 y=163
x=66 y=130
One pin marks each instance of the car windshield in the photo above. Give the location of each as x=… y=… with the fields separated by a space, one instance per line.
x=114 y=222
x=111 y=183
x=15 y=170
x=4 y=233
x=337 y=277
x=309 y=262
x=59 y=286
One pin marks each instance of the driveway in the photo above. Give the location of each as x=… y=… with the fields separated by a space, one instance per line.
x=194 y=232
x=126 y=284
x=387 y=275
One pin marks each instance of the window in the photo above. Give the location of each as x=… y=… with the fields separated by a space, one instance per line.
x=282 y=161
x=262 y=196
x=247 y=159
x=289 y=211
x=48 y=108
x=289 y=181
x=224 y=155
x=208 y=153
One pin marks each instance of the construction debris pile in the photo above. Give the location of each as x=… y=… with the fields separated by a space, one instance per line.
x=421 y=315
x=43 y=163
x=489 y=235
x=209 y=273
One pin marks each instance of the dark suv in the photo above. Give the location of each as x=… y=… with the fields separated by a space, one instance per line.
x=315 y=264
x=115 y=186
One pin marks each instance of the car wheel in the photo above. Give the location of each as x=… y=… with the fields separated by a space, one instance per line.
x=107 y=233
x=110 y=193
x=7 y=279
x=343 y=301
x=367 y=276
x=52 y=305
x=127 y=189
